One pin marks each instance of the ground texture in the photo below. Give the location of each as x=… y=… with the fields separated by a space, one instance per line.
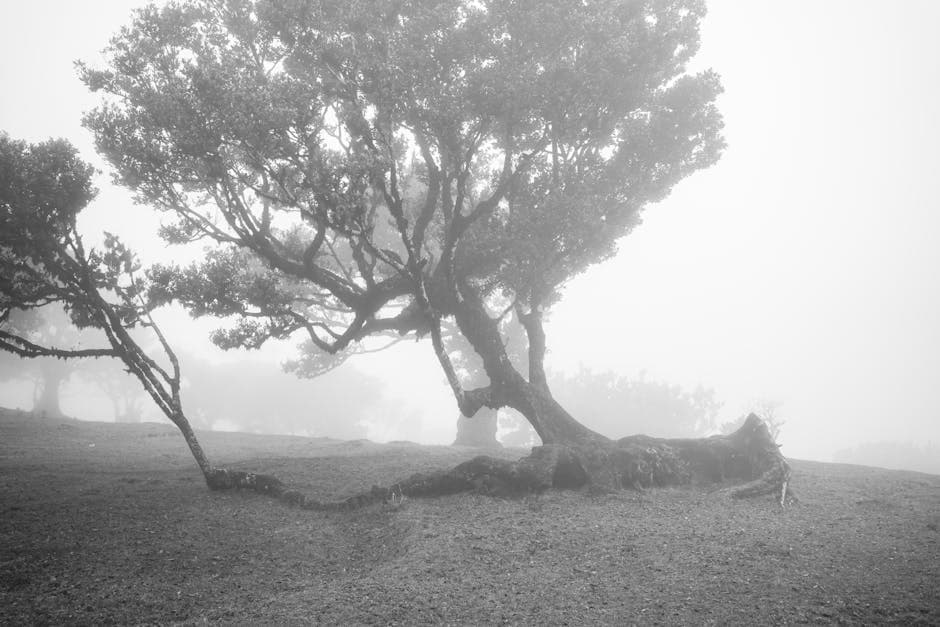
x=103 y=523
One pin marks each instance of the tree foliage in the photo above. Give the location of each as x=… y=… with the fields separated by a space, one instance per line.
x=43 y=187
x=395 y=164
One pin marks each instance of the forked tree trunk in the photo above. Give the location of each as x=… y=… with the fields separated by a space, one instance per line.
x=573 y=455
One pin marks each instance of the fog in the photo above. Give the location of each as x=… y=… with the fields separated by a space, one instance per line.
x=801 y=270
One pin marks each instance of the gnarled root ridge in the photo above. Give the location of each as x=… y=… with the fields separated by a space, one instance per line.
x=748 y=455
x=224 y=479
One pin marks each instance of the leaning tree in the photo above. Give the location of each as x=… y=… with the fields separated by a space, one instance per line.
x=381 y=168
x=45 y=265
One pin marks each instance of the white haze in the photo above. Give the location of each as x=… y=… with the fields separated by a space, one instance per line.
x=802 y=269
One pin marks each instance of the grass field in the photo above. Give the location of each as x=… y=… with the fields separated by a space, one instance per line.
x=105 y=523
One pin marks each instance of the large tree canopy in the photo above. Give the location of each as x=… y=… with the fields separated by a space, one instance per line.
x=389 y=167
x=393 y=163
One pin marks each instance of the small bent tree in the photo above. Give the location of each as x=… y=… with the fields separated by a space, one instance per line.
x=45 y=265
x=383 y=168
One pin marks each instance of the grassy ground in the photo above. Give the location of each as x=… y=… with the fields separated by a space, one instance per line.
x=106 y=523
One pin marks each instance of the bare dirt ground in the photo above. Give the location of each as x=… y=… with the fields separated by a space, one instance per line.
x=105 y=523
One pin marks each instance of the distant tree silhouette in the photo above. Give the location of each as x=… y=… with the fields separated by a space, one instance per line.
x=48 y=375
x=123 y=390
x=616 y=405
x=899 y=455
x=337 y=404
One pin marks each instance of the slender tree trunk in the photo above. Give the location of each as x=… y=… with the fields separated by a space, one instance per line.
x=193 y=443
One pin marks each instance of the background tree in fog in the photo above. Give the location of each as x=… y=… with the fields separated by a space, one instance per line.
x=616 y=406
x=128 y=399
x=52 y=327
x=14 y=368
x=255 y=396
x=921 y=457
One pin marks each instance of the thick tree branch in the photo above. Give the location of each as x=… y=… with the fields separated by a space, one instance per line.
x=431 y=198
x=24 y=348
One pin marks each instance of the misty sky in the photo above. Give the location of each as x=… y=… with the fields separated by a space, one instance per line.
x=802 y=269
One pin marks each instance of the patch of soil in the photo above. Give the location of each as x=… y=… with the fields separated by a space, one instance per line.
x=103 y=523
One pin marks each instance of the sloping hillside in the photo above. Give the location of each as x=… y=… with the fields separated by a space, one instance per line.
x=112 y=523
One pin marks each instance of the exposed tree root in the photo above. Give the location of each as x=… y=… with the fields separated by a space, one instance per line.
x=748 y=455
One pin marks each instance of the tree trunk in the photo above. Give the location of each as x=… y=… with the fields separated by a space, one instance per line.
x=222 y=478
x=552 y=423
x=53 y=376
x=479 y=431
x=572 y=455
